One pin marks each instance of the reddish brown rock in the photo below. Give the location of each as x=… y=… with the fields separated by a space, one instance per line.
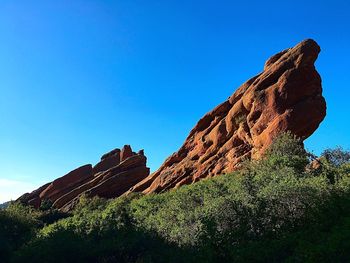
x=126 y=152
x=66 y=183
x=111 y=177
x=28 y=197
x=110 y=183
x=315 y=164
x=107 y=161
x=286 y=96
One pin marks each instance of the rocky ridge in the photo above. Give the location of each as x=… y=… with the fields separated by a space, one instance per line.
x=286 y=96
x=117 y=171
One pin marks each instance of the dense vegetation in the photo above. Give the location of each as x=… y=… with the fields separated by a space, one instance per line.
x=277 y=209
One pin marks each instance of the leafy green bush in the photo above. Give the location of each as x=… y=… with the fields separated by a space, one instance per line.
x=271 y=210
x=98 y=231
x=45 y=205
x=18 y=224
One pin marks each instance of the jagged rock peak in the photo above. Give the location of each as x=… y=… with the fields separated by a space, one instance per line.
x=285 y=96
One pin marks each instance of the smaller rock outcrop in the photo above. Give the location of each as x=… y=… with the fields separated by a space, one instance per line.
x=117 y=171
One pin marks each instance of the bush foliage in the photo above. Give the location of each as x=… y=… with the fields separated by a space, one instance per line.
x=271 y=210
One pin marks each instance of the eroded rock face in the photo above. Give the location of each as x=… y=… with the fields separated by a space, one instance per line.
x=117 y=171
x=286 y=96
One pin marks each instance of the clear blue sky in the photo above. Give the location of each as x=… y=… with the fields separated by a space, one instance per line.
x=79 y=78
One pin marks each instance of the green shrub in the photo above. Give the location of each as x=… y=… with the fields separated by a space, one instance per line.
x=98 y=231
x=18 y=224
x=271 y=210
x=45 y=205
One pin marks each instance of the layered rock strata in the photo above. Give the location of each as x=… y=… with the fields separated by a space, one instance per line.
x=285 y=96
x=117 y=171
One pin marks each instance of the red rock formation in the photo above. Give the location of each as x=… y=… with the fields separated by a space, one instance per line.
x=66 y=183
x=117 y=171
x=286 y=96
x=126 y=152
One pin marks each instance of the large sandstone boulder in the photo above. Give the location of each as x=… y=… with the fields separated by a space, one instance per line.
x=117 y=171
x=286 y=96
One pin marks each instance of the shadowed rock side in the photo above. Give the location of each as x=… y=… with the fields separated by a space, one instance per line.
x=286 y=96
x=117 y=171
